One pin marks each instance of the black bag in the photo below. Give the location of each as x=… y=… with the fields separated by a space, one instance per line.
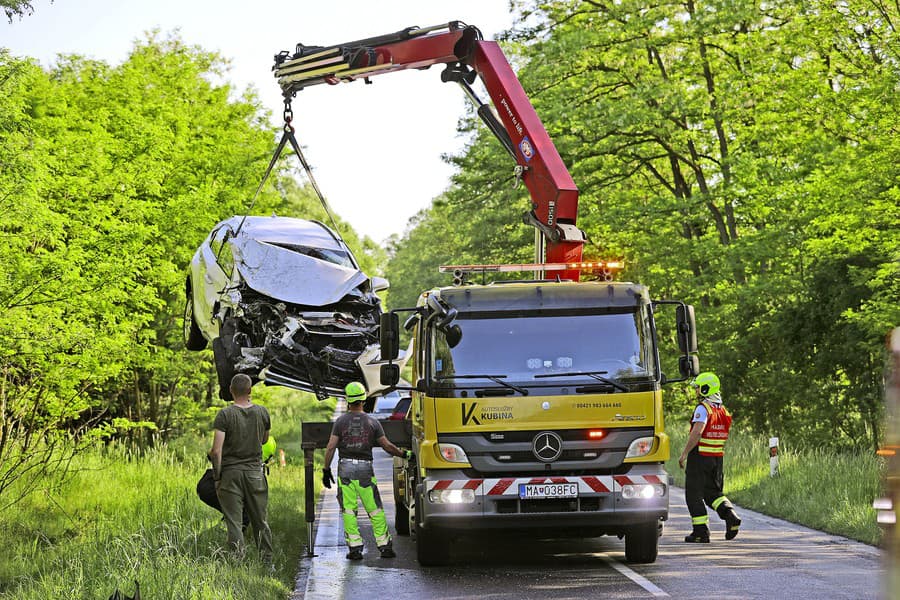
x=117 y=595
x=206 y=490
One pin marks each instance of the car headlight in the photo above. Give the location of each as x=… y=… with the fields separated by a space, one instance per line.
x=640 y=447
x=452 y=453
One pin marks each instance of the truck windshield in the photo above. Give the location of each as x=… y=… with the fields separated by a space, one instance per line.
x=521 y=347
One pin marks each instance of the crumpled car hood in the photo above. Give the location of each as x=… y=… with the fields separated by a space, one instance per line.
x=292 y=277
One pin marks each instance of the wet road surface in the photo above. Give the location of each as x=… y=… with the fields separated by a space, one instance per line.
x=770 y=558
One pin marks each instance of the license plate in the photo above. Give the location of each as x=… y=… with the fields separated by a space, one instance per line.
x=538 y=491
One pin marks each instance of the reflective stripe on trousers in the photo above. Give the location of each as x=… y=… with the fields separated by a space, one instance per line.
x=350 y=492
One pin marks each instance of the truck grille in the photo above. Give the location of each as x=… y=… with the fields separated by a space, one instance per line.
x=548 y=506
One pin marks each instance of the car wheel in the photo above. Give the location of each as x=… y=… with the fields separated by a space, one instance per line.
x=224 y=369
x=193 y=337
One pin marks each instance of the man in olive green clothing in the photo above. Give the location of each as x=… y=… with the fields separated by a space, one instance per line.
x=239 y=432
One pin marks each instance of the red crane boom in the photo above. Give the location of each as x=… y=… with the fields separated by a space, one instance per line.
x=553 y=193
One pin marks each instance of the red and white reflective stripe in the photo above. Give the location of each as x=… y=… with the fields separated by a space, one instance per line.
x=637 y=479
x=454 y=484
x=586 y=485
x=509 y=486
x=596 y=485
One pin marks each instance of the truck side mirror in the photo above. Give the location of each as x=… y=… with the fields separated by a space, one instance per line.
x=689 y=366
x=390 y=336
x=412 y=321
x=453 y=335
x=389 y=374
x=687 y=328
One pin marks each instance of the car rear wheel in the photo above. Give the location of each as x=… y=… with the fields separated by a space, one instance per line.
x=193 y=337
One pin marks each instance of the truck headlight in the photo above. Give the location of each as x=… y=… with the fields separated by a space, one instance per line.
x=452 y=453
x=640 y=447
x=452 y=496
x=643 y=491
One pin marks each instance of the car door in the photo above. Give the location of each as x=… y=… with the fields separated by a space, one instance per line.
x=215 y=258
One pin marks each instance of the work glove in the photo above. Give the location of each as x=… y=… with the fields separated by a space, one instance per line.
x=327 y=478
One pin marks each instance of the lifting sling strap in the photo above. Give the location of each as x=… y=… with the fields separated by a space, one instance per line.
x=288 y=136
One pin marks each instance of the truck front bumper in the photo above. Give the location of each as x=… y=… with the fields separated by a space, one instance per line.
x=596 y=505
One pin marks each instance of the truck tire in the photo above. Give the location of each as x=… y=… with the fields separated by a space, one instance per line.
x=431 y=549
x=193 y=337
x=401 y=518
x=642 y=543
x=402 y=513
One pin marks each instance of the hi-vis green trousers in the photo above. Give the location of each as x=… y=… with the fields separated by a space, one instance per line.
x=356 y=481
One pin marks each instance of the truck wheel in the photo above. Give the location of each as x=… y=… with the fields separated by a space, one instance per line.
x=431 y=549
x=193 y=337
x=642 y=543
x=401 y=518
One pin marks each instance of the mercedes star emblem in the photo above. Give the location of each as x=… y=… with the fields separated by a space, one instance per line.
x=547 y=446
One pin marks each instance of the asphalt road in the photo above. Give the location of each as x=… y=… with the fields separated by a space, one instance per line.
x=770 y=558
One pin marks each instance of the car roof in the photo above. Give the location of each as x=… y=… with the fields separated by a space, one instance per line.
x=286 y=230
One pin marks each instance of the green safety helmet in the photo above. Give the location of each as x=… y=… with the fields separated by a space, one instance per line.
x=355 y=391
x=707 y=383
x=268 y=449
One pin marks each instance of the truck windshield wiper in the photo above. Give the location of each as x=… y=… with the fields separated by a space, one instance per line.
x=595 y=374
x=494 y=378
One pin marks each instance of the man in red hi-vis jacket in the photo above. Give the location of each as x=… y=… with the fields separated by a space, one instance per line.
x=703 y=453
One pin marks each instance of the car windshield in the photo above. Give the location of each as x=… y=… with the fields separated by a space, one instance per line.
x=532 y=349
x=331 y=255
x=386 y=403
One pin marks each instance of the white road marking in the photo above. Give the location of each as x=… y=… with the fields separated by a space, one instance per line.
x=328 y=570
x=635 y=577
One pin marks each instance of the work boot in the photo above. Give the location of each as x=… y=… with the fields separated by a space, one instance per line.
x=355 y=554
x=700 y=535
x=732 y=521
x=732 y=525
x=387 y=551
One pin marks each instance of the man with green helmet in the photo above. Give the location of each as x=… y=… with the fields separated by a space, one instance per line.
x=354 y=434
x=702 y=460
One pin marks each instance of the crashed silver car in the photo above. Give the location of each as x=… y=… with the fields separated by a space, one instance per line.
x=284 y=301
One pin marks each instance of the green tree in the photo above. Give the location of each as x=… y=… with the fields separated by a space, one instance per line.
x=17 y=8
x=737 y=156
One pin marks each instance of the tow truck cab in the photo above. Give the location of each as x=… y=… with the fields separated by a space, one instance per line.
x=537 y=409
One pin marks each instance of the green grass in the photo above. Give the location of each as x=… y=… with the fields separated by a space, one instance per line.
x=818 y=488
x=121 y=518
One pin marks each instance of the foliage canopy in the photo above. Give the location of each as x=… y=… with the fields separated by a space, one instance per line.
x=739 y=156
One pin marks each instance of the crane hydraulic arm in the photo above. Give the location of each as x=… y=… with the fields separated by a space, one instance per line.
x=467 y=56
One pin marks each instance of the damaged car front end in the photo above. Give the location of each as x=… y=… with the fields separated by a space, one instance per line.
x=284 y=301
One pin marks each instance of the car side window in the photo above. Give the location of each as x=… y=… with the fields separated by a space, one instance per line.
x=220 y=250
